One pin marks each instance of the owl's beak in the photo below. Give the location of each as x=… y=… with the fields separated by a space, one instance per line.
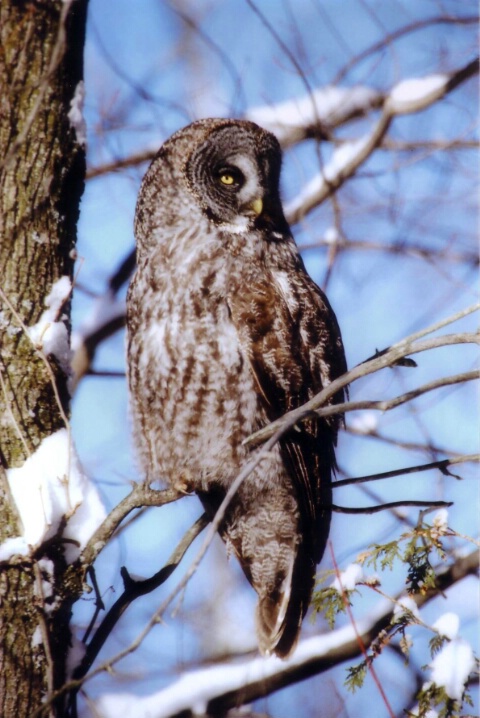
x=257 y=206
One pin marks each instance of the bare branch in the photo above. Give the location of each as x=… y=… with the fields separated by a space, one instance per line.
x=432 y=449
x=442 y=465
x=387 y=404
x=121 y=164
x=401 y=32
x=141 y=495
x=390 y=505
x=55 y=60
x=398 y=248
x=335 y=173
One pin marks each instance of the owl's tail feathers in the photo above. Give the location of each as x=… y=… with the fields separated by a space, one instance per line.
x=280 y=614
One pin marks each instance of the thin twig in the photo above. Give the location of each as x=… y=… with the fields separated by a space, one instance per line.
x=390 y=505
x=104 y=531
x=40 y=353
x=387 y=404
x=99 y=604
x=247 y=680
x=442 y=465
x=299 y=207
x=400 y=32
x=45 y=633
x=55 y=60
x=13 y=419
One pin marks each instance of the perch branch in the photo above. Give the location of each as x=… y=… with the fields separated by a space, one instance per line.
x=141 y=495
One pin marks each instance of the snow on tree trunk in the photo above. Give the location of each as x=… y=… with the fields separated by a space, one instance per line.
x=42 y=170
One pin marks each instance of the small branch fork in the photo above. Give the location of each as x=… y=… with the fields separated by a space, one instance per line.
x=140 y=496
x=133 y=589
x=443 y=465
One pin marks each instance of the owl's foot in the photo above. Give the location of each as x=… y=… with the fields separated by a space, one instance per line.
x=184 y=484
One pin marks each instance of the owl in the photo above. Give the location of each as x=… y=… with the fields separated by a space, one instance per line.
x=225 y=333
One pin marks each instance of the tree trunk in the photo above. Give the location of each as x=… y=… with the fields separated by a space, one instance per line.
x=42 y=169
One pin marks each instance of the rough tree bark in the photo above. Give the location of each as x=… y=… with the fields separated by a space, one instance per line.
x=42 y=169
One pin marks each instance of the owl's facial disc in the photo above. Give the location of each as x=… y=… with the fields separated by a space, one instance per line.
x=234 y=174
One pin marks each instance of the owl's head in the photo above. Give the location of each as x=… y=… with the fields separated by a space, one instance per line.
x=226 y=170
x=234 y=174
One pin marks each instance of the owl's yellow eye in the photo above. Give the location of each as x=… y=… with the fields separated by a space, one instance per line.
x=226 y=178
x=230 y=177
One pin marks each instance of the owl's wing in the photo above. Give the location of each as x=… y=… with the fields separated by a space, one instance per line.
x=291 y=337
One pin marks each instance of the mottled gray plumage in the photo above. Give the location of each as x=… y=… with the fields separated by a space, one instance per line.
x=226 y=332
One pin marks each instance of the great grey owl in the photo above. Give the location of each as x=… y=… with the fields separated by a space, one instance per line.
x=227 y=332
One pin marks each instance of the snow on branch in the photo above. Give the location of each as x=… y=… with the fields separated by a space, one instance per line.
x=408 y=96
x=215 y=689
x=311 y=115
x=452 y=667
x=52 y=496
x=416 y=93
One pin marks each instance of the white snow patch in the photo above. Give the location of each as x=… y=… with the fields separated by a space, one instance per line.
x=50 y=333
x=7 y=326
x=75 y=115
x=415 y=93
x=39 y=238
x=364 y=423
x=51 y=486
x=448 y=625
x=431 y=713
x=348 y=579
x=328 y=105
x=45 y=591
x=37 y=638
x=452 y=666
x=404 y=605
x=343 y=156
x=16 y=546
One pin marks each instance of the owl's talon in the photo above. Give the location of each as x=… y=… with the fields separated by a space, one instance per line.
x=183 y=486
